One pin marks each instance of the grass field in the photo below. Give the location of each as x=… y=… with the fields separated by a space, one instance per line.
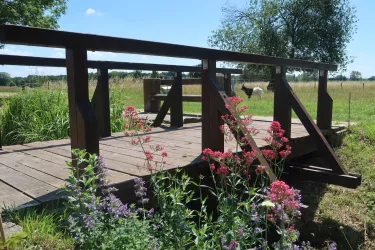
x=353 y=210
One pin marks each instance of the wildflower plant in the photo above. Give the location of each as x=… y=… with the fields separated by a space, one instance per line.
x=246 y=204
x=248 y=209
x=98 y=219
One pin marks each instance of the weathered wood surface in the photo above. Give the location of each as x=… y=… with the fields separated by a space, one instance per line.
x=34 y=173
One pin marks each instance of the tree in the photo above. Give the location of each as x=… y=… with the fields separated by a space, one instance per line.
x=355 y=75
x=155 y=74
x=5 y=79
x=38 y=13
x=301 y=29
x=340 y=78
x=372 y=78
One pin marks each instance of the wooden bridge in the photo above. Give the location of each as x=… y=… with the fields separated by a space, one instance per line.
x=33 y=173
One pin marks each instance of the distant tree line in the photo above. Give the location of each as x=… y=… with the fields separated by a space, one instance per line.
x=37 y=80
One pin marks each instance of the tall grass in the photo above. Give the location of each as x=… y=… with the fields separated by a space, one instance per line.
x=34 y=116
x=44 y=229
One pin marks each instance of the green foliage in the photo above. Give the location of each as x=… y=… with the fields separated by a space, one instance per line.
x=41 y=230
x=37 y=13
x=5 y=79
x=302 y=29
x=34 y=116
x=97 y=219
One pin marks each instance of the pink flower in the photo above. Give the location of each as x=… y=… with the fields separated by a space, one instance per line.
x=164 y=154
x=135 y=141
x=159 y=147
x=260 y=169
x=147 y=139
x=269 y=154
x=284 y=139
x=149 y=155
x=284 y=153
x=212 y=167
x=223 y=170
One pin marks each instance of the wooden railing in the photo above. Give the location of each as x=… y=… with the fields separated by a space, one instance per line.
x=84 y=120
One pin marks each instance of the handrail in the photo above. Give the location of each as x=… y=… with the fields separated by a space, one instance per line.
x=12 y=34
x=60 y=62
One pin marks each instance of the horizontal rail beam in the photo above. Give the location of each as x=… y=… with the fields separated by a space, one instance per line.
x=12 y=34
x=59 y=62
x=185 y=98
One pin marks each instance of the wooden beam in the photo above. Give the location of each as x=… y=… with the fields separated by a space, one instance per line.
x=322 y=144
x=83 y=125
x=177 y=117
x=151 y=87
x=228 y=84
x=310 y=173
x=11 y=34
x=211 y=120
x=325 y=103
x=221 y=101
x=164 y=108
x=282 y=111
x=59 y=62
x=185 y=98
x=101 y=105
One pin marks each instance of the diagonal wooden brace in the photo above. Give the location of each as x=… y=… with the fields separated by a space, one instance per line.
x=221 y=101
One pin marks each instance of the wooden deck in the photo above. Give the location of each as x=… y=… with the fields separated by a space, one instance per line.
x=34 y=173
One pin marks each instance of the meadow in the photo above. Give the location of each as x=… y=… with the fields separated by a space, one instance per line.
x=343 y=215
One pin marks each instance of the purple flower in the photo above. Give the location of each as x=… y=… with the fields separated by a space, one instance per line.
x=150 y=213
x=140 y=190
x=258 y=229
x=333 y=246
x=240 y=232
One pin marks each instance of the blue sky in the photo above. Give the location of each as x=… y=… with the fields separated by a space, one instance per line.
x=173 y=21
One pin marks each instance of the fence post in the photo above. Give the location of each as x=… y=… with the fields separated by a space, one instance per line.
x=282 y=111
x=325 y=103
x=100 y=103
x=177 y=119
x=228 y=84
x=151 y=87
x=82 y=119
x=211 y=119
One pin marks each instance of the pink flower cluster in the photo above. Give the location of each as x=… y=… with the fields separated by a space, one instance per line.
x=286 y=199
x=133 y=123
x=276 y=141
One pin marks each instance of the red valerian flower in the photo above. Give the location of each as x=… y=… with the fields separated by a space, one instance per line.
x=269 y=154
x=164 y=154
x=149 y=155
x=223 y=170
x=212 y=167
x=260 y=169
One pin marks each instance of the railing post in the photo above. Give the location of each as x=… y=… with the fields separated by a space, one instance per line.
x=228 y=84
x=325 y=103
x=151 y=87
x=282 y=111
x=177 y=119
x=83 y=124
x=100 y=103
x=211 y=119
